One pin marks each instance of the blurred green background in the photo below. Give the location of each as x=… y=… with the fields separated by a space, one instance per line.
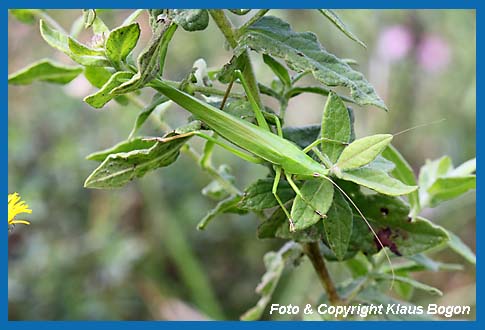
x=135 y=253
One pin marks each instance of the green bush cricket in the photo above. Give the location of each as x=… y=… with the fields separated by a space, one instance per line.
x=286 y=158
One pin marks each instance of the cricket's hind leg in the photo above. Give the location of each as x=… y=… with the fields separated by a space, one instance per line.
x=278 y=199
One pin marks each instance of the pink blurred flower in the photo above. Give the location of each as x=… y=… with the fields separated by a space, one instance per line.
x=394 y=42
x=433 y=53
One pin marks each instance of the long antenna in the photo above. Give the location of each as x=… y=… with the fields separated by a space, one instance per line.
x=419 y=126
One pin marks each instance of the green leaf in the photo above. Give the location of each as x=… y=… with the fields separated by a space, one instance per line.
x=89 y=60
x=277 y=226
x=228 y=205
x=192 y=19
x=457 y=245
x=388 y=217
x=420 y=262
x=119 y=169
x=27 y=16
x=190 y=127
x=125 y=146
x=404 y=238
x=150 y=59
x=433 y=170
x=302 y=135
x=270 y=227
x=403 y=290
x=278 y=69
x=88 y=17
x=121 y=41
x=377 y=180
x=146 y=112
x=258 y=196
x=99 y=27
x=359 y=265
x=444 y=189
x=439 y=182
x=467 y=168
x=297 y=90
x=104 y=95
x=97 y=76
x=381 y=163
x=338 y=225
x=317 y=195
x=60 y=41
x=415 y=284
x=45 y=70
x=238 y=108
x=335 y=126
x=215 y=190
x=54 y=38
x=275 y=263
x=332 y=16
x=430 y=264
x=362 y=151
x=78 y=49
x=302 y=52
x=226 y=74
x=405 y=174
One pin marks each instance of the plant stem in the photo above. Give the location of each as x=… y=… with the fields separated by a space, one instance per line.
x=253 y=19
x=312 y=250
x=297 y=90
x=226 y=95
x=196 y=88
x=224 y=25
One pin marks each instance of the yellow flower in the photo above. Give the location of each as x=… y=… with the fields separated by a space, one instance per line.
x=15 y=207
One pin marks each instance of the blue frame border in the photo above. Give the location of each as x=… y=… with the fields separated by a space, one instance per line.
x=349 y=4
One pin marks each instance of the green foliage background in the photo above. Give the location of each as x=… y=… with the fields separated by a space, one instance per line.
x=135 y=253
